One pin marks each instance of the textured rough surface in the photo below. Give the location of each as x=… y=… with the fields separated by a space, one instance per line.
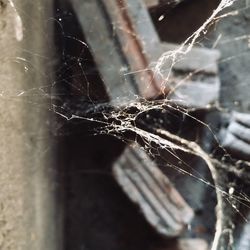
x=12 y=188
x=26 y=193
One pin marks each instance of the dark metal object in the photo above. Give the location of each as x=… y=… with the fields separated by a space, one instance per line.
x=114 y=34
x=125 y=46
x=143 y=182
x=236 y=137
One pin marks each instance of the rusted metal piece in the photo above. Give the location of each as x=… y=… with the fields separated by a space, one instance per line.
x=127 y=46
x=133 y=47
x=201 y=62
x=161 y=204
x=104 y=45
x=120 y=50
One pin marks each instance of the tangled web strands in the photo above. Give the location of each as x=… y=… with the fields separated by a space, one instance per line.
x=122 y=120
x=117 y=122
x=190 y=41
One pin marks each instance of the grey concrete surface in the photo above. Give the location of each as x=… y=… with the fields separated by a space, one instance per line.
x=27 y=203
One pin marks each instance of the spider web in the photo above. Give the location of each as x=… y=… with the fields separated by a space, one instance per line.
x=129 y=119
